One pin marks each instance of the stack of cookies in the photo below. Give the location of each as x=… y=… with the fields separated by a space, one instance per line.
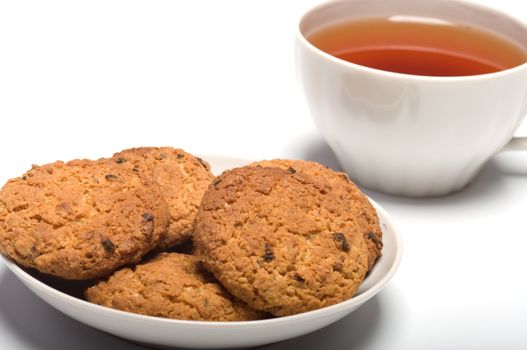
x=273 y=238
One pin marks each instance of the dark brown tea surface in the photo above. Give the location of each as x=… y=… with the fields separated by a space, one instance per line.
x=419 y=48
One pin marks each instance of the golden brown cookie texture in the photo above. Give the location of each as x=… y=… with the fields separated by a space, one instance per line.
x=358 y=203
x=81 y=219
x=170 y=285
x=281 y=241
x=182 y=177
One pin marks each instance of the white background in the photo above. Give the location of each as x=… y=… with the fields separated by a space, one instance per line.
x=88 y=78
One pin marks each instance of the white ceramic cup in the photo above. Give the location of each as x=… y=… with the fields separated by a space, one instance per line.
x=407 y=134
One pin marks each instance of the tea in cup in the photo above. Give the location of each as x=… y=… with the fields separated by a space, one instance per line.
x=413 y=96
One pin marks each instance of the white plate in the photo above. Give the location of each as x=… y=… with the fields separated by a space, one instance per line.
x=199 y=334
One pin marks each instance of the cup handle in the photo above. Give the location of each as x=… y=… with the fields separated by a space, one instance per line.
x=516 y=144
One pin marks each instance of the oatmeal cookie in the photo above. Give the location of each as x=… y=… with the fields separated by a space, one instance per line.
x=170 y=285
x=81 y=219
x=281 y=241
x=182 y=178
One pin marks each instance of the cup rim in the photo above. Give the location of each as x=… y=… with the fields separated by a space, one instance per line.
x=447 y=79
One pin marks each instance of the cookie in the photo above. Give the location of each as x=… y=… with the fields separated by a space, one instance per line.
x=183 y=179
x=350 y=194
x=81 y=219
x=280 y=240
x=170 y=285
